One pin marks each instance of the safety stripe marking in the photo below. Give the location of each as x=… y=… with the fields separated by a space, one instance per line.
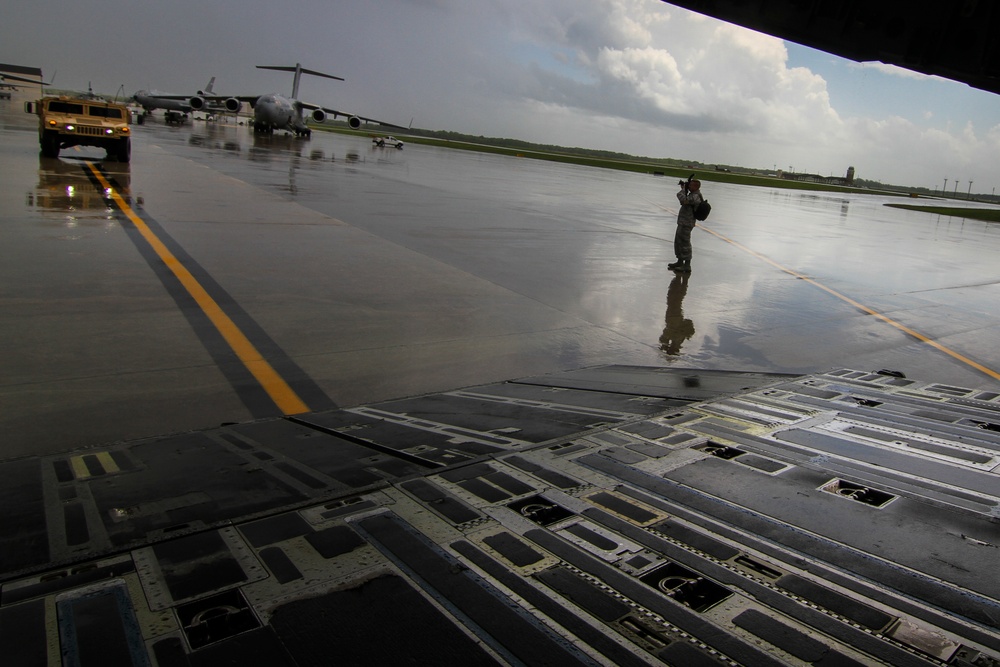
x=860 y=306
x=277 y=389
x=80 y=470
x=107 y=462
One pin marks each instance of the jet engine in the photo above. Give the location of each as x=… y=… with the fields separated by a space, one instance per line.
x=197 y=103
x=318 y=115
x=233 y=105
x=354 y=122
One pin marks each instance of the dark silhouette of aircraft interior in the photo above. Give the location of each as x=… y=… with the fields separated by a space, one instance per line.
x=955 y=40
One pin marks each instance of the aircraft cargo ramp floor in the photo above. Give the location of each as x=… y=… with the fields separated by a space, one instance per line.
x=616 y=515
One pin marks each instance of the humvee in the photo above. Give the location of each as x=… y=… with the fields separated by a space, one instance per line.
x=75 y=121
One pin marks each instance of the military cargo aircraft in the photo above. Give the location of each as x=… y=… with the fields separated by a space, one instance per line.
x=151 y=100
x=276 y=112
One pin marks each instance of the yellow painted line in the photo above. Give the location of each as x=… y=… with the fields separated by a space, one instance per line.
x=863 y=308
x=80 y=470
x=107 y=462
x=280 y=392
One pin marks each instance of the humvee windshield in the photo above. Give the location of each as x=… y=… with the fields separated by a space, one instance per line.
x=57 y=106
x=104 y=112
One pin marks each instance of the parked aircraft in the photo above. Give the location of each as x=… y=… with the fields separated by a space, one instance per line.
x=151 y=100
x=276 y=112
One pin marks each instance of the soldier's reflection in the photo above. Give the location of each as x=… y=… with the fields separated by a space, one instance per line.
x=678 y=328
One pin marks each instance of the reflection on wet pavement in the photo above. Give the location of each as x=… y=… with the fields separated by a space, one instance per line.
x=678 y=328
x=64 y=186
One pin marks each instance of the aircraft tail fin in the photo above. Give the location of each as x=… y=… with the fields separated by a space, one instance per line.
x=208 y=88
x=299 y=71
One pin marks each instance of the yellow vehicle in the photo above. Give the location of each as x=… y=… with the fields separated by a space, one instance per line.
x=74 y=121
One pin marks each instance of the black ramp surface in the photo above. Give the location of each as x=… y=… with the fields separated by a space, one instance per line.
x=684 y=384
x=378 y=622
x=196 y=564
x=257 y=647
x=677 y=615
x=617 y=549
x=508 y=628
x=334 y=541
x=862 y=614
x=99 y=628
x=275 y=529
x=185 y=478
x=22 y=634
x=972 y=480
x=815 y=546
x=534 y=424
x=773 y=631
x=793 y=498
x=562 y=615
x=280 y=565
x=584 y=594
x=23 y=531
x=342 y=460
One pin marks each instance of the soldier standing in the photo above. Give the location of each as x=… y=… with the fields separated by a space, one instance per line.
x=689 y=197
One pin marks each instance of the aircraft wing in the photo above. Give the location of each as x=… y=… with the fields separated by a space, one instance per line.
x=213 y=103
x=161 y=96
x=209 y=98
x=245 y=99
x=220 y=100
x=11 y=77
x=335 y=113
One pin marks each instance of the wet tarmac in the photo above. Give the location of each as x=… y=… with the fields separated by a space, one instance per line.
x=347 y=274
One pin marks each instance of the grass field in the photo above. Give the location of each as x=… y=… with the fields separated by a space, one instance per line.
x=636 y=165
x=987 y=214
x=639 y=166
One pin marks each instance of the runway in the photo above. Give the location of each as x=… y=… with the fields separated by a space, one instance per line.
x=222 y=278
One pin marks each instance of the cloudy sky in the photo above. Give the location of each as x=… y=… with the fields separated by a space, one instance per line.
x=636 y=76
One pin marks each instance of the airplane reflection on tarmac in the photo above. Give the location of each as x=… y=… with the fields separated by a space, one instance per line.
x=263 y=147
x=678 y=328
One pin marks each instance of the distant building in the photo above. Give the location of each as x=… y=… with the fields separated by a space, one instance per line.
x=10 y=88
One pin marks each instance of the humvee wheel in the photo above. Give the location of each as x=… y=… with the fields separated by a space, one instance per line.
x=124 y=150
x=50 y=144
